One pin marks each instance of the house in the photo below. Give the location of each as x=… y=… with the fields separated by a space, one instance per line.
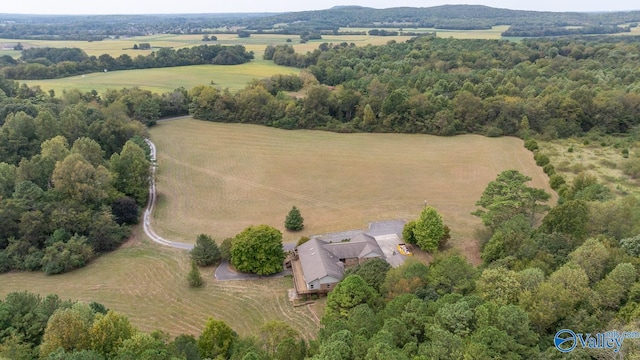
x=319 y=264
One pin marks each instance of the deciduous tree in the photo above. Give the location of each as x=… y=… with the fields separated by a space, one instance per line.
x=258 y=250
x=216 y=339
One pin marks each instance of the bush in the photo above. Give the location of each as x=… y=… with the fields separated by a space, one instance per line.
x=225 y=249
x=541 y=159
x=556 y=180
x=493 y=131
x=303 y=239
x=194 y=277
x=531 y=145
x=62 y=257
x=625 y=153
x=549 y=169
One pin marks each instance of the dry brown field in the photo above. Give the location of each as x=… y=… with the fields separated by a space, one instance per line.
x=220 y=178
x=147 y=282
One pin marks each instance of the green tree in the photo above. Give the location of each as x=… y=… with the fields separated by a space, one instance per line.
x=144 y=347
x=225 y=249
x=508 y=196
x=273 y=333
x=429 y=229
x=294 y=221
x=109 y=331
x=349 y=293
x=61 y=257
x=75 y=178
x=571 y=217
x=68 y=329
x=206 y=251
x=216 y=339
x=592 y=257
x=131 y=171
x=450 y=273
x=498 y=285
x=194 y=278
x=258 y=250
x=372 y=271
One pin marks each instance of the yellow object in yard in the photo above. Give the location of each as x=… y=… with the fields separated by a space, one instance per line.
x=404 y=250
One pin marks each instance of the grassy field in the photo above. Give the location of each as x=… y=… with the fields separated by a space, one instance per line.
x=220 y=178
x=148 y=283
x=600 y=157
x=233 y=77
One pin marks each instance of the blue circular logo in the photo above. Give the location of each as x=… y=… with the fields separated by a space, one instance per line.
x=565 y=340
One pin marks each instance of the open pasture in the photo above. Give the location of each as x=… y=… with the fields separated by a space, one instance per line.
x=147 y=282
x=220 y=178
x=160 y=80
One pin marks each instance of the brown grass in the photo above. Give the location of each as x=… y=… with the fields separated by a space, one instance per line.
x=220 y=178
x=605 y=162
x=148 y=283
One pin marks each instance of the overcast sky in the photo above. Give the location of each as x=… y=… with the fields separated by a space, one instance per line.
x=221 y=6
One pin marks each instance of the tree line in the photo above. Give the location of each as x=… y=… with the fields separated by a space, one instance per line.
x=554 y=87
x=48 y=63
x=73 y=174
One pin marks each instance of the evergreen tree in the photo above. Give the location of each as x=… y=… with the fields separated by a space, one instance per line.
x=194 y=277
x=294 y=220
x=206 y=251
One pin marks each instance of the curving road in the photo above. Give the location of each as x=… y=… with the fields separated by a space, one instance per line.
x=223 y=272
x=151 y=205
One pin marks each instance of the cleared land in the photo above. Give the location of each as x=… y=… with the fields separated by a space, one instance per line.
x=600 y=157
x=220 y=178
x=148 y=283
x=233 y=77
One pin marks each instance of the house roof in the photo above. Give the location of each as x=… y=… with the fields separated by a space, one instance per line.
x=321 y=258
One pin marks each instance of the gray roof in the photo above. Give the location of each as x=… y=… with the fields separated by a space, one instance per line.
x=317 y=262
x=320 y=258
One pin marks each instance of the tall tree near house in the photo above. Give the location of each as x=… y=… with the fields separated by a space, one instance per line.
x=294 y=221
x=428 y=230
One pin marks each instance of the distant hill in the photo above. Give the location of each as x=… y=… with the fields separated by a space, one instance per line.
x=445 y=17
x=459 y=17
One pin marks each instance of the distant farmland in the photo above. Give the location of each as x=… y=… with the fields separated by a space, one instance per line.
x=219 y=178
x=232 y=77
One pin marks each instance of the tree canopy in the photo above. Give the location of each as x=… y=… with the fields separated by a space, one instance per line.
x=258 y=250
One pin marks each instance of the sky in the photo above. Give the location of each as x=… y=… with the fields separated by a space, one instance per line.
x=221 y=6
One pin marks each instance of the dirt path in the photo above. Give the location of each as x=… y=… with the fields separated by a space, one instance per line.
x=148 y=230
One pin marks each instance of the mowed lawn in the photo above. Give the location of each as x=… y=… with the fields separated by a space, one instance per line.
x=220 y=178
x=147 y=282
x=160 y=80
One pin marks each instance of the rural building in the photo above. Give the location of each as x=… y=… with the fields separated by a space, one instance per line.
x=319 y=264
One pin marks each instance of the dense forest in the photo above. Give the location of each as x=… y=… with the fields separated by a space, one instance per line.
x=73 y=174
x=554 y=87
x=463 y=17
x=48 y=62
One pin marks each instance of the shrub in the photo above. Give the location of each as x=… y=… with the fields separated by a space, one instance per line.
x=556 y=181
x=493 y=131
x=194 y=277
x=549 y=169
x=62 y=257
x=625 y=153
x=541 y=159
x=531 y=145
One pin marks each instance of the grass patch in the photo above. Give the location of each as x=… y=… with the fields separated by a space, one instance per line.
x=233 y=77
x=220 y=178
x=148 y=283
x=605 y=162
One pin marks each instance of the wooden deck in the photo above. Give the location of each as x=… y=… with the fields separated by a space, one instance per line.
x=298 y=278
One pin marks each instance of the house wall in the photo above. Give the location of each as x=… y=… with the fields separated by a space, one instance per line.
x=351 y=262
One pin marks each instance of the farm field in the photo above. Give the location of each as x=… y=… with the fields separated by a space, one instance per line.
x=220 y=178
x=147 y=282
x=160 y=80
